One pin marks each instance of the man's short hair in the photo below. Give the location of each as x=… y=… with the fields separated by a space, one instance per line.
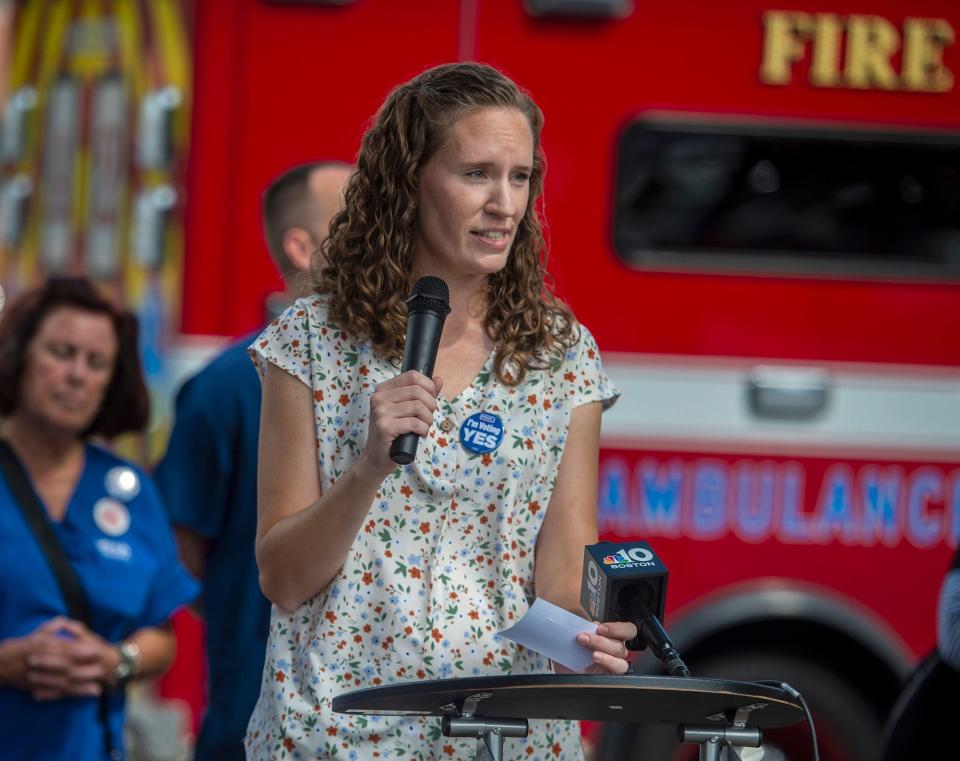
x=286 y=203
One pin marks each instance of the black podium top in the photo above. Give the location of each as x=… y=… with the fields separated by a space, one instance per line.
x=632 y=699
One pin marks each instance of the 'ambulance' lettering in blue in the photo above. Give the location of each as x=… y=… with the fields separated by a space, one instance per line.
x=795 y=527
x=924 y=528
x=659 y=496
x=705 y=498
x=709 y=510
x=614 y=496
x=837 y=520
x=953 y=532
x=754 y=498
x=880 y=496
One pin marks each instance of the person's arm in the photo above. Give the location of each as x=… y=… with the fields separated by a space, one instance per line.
x=303 y=535
x=570 y=523
x=193 y=549
x=195 y=475
x=158 y=648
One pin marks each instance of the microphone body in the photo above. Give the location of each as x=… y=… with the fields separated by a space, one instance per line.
x=628 y=582
x=423 y=340
x=427 y=309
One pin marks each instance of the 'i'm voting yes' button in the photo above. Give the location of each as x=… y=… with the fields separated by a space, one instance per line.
x=482 y=432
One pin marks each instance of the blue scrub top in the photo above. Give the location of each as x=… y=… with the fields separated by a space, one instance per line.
x=208 y=479
x=117 y=536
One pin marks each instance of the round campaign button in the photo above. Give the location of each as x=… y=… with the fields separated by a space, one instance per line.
x=122 y=482
x=111 y=516
x=482 y=432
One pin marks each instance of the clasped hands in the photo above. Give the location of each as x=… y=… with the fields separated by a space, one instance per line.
x=60 y=659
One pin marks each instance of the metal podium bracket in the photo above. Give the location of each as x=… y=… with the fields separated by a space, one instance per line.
x=739 y=716
x=490 y=732
x=712 y=739
x=734 y=732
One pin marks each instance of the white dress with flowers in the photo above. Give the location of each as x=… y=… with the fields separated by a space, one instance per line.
x=443 y=562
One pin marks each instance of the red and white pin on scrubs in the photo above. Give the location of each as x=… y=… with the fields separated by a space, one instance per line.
x=111 y=516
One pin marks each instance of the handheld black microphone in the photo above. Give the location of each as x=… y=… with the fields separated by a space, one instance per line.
x=427 y=307
x=628 y=582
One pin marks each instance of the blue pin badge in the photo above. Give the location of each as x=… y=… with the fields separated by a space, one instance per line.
x=482 y=432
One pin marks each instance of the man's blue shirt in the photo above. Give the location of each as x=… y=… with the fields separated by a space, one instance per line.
x=208 y=479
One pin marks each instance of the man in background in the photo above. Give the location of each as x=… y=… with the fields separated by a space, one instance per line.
x=208 y=477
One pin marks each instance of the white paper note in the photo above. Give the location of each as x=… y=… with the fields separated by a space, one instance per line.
x=552 y=631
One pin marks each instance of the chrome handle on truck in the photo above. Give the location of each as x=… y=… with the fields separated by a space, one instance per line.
x=151 y=223
x=15 y=197
x=155 y=133
x=15 y=135
x=788 y=393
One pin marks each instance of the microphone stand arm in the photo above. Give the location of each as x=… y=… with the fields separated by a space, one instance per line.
x=650 y=633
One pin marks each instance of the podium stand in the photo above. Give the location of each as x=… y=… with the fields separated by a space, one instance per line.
x=709 y=712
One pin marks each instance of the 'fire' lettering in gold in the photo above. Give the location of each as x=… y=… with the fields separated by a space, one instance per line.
x=856 y=51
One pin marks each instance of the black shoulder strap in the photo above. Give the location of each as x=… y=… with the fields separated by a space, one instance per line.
x=36 y=518
x=78 y=607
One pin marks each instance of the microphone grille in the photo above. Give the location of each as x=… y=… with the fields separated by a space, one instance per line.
x=429 y=294
x=432 y=288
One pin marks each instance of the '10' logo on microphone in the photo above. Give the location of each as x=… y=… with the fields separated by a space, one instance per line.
x=635 y=557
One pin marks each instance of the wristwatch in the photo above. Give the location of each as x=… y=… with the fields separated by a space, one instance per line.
x=129 y=665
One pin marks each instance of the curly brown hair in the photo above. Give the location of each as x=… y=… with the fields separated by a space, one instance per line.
x=368 y=256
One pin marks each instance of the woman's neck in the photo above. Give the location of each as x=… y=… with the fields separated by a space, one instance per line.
x=39 y=447
x=468 y=300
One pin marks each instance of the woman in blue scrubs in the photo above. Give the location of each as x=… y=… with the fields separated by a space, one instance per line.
x=69 y=372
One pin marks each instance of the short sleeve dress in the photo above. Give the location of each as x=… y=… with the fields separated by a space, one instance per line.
x=443 y=562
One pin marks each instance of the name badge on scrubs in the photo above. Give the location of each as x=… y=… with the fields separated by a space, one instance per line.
x=482 y=432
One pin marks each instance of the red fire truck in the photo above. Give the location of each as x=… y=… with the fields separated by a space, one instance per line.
x=755 y=207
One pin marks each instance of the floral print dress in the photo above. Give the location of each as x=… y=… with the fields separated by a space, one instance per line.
x=443 y=562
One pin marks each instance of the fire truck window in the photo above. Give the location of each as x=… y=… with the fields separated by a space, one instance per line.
x=775 y=199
